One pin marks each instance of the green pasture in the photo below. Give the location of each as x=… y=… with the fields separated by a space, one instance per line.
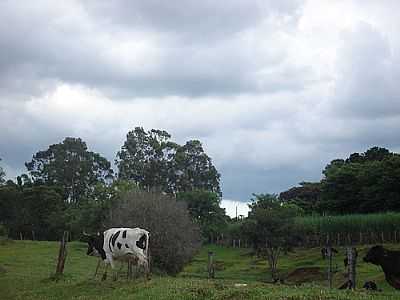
x=26 y=267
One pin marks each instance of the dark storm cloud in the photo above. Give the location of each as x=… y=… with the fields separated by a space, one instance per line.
x=194 y=21
x=194 y=48
x=274 y=89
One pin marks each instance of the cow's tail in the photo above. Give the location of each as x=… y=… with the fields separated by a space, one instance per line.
x=146 y=251
x=147 y=254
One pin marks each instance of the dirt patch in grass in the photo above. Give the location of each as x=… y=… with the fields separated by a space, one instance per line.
x=307 y=274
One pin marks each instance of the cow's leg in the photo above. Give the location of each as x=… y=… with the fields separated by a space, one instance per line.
x=143 y=263
x=105 y=273
x=97 y=268
x=120 y=268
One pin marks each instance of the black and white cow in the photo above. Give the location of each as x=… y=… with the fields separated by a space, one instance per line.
x=120 y=244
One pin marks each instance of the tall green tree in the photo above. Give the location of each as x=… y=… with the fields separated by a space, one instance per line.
x=204 y=208
x=270 y=226
x=307 y=196
x=363 y=183
x=33 y=211
x=153 y=161
x=193 y=169
x=71 y=166
x=145 y=158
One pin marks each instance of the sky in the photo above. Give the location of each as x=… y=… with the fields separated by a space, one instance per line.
x=274 y=90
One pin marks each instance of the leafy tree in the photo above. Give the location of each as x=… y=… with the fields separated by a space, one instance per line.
x=363 y=183
x=10 y=197
x=70 y=165
x=193 y=169
x=307 y=196
x=145 y=158
x=2 y=175
x=31 y=210
x=153 y=161
x=270 y=226
x=204 y=208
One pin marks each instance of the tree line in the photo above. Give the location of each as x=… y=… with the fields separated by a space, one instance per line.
x=68 y=187
x=366 y=182
x=175 y=189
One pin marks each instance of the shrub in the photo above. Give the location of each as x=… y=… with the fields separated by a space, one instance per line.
x=174 y=238
x=3 y=231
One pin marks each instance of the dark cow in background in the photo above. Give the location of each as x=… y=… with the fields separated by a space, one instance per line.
x=129 y=244
x=389 y=261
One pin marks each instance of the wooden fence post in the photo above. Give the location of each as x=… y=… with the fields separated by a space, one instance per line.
x=352 y=260
x=62 y=254
x=211 y=270
x=329 y=250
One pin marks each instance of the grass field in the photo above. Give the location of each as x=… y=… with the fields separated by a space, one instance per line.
x=26 y=266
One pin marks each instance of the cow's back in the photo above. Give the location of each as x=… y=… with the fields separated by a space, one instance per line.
x=123 y=241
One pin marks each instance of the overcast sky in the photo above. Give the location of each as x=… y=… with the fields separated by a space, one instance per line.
x=273 y=89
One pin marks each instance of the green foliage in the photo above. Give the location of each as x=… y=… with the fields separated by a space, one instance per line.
x=3 y=231
x=70 y=165
x=349 y=224
x=270 y=226
x=363 y=183
x=307 y=196
x=154 y=162
x=37 y=208
x=204 y=208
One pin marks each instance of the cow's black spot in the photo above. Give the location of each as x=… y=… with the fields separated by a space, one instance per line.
x=124 y=234
x=126 y=245
x=109 y=242
x=114 y=238
x=141 y=243
x=96 y=242
x=119 y=245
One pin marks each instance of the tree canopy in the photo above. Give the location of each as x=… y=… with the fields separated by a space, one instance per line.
x=362 y=183
x=70 y=165
x=153 y=161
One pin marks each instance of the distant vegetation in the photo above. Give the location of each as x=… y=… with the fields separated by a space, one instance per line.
x=366 y=182
x=357 y=228
x=68 y=187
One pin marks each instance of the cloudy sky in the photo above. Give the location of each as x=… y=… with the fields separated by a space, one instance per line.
x=273 y=89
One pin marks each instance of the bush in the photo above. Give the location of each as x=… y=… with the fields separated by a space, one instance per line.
x=174 y=238
x=3 y=231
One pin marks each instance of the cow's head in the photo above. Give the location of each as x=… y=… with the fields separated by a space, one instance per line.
x=95 y=244
x=375 y=255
